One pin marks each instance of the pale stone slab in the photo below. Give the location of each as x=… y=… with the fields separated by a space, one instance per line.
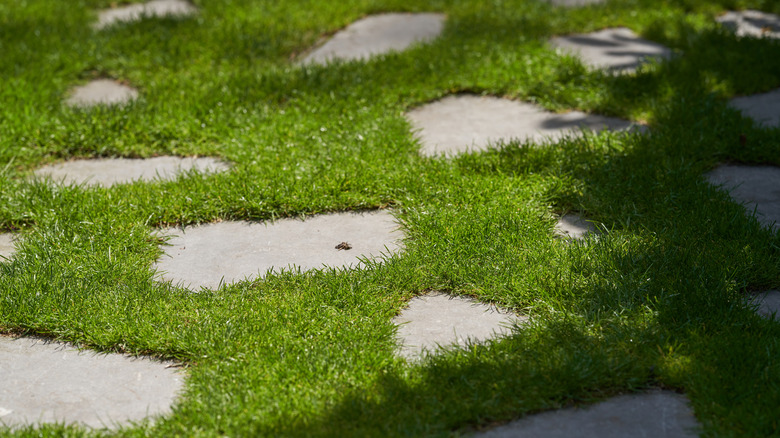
x=110 y=171
x=7 y=245
x=654 y=414
x=101 y=92
x=378 y=34
x=45 y=382
x=154 y=8
x=768 y=304
x=463 y=123
x=572 y=226
x=616 y=49
x=763 y=108
x=756 y=187
x=438 y=319
x=752 y=23
x=205 y=255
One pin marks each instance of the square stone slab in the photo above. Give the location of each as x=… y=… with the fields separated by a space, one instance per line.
x=110 y=171
x=752 y=23
x=101 y=92
x=466 y=122
x=44 y=382
x=438 y=319
x=763 y=108
x=378 y=34
x=756 y=187
x=573 y=227
x=7 y=245
x=768 y=304
x=205 y=255
x=617 y=49
x=154 y=8
x=656 y=414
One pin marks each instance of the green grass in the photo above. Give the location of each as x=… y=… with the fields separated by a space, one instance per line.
x=657 y=301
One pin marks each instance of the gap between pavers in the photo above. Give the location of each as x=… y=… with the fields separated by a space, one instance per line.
x=109 y=171
x=466 y=122
x=763 y=108
x=134 y=12
x=574 y=227
x=7 y=245
x=756 y=187
x=656 y=414
x=205 y=255
x=767 y=303
x=751 y=23
x=617 y=49
x=101 y=92
x=378 y=34
x=438 y=319
x=44 y=382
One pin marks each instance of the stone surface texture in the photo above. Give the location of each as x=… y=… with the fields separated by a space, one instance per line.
x=46 y=382
x=438 y=319
x=154 y=8
x=466 y=122
x=752 y=23
x=377 y=35
x=756 y=187
x=205 y=255
x=763 y=108
x=572 y=226
x=110 y=171
x=617 y=49
x=7 y=247
x=101 y=92
x=768 y=304
x=655 y=414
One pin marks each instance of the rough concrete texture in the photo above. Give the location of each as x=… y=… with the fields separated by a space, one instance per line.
x=572 y=226
x=616 y=49
x=438 y=319
x=7 y=246
x=763 y=108
x=154 y=8
x=768 y=304
x=204 y=256
x=378 y=34
x=756 y=187
x=752 y=23
x=46 y=382
x=467 y=122
x=573 y=3
x=654 y=414
x=101 y=92
x=110 y=171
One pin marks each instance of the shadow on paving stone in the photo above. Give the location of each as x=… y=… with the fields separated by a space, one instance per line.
x=755 y=187
x=767 y=304
x=378 y=34
x=751 y=23
x=656 y=414
x=210 y=254
x=45 y=382
x=7 y=245
x=154 y=8
x=440 y=320
x=763 y=108
x=617 y=49
x=101 y=92
x=573 y=227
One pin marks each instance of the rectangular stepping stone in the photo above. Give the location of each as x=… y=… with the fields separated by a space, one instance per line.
x=101 y=92
x=574 y=227
x=134 y=12
x=617 y=49
x=763 y=108
x=7 y=245
x=752 y=23
x=756 y=187
x=768 y=304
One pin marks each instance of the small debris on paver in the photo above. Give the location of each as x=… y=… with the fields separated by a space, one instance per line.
x=101 y=92
x=756 y=187
x=467 y=122
x=378 y=34
x=752 y=23
x=438 y=319
x=110 y=171
x=768 y=303
x=154 y=8
x=7 y=246
x=44 y=382
x=574 y=3
x=763 y=108
x=573 y=227
x=617 y=49
x=657 y=414
x=205 y=255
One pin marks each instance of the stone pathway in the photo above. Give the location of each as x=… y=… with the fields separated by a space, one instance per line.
x=617 y=49
x=7 y=246
x=756 y=187
x=763 y=108
x=573 y=227
x=134 y=12
x=751 y=23
x=101 y=92
x=768 y=304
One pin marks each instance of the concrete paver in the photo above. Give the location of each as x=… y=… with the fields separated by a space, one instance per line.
x=617 y=49
x=756 y=187
x=205 y=255
x=154 y=8
x=101 y=92
x=752 y=23
x=377 y=35
x=768 y=304
x=763 y=108
x=7 y=246
x=46 y=382
x=572 y=226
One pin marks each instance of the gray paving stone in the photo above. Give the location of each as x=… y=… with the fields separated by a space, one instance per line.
x=463 y=123
x=763 y=108
x=575 y=3
x=154 y=8
x=205 y=255
x=378 y=34
x=110 y=171
x=101 y=92
x=768 y=304
x=46 y=382
x=439 y=319
x=7 y=246
x=617 y=49
x=654 y=414
x=752 y=23
x=756 y=187
x=572 y=226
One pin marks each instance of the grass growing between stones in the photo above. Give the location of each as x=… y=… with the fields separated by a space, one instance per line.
x=657 y=301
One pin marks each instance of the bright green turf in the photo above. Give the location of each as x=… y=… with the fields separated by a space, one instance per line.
x=655 y=302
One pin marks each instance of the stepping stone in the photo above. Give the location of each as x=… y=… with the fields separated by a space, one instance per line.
x=617 y=49
x=101 y=92
x=763 y=108
x=651 y=414
x=45 y=382
x=206 y=255
x=378 y=34
x=573 y=227
x=574 y=3
x=110 y=171
x=154 y=8
x=752 y=23
x=438 y=319
x=7 y=246
x=768 y=304
x=756 y=187
x=463 y=123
